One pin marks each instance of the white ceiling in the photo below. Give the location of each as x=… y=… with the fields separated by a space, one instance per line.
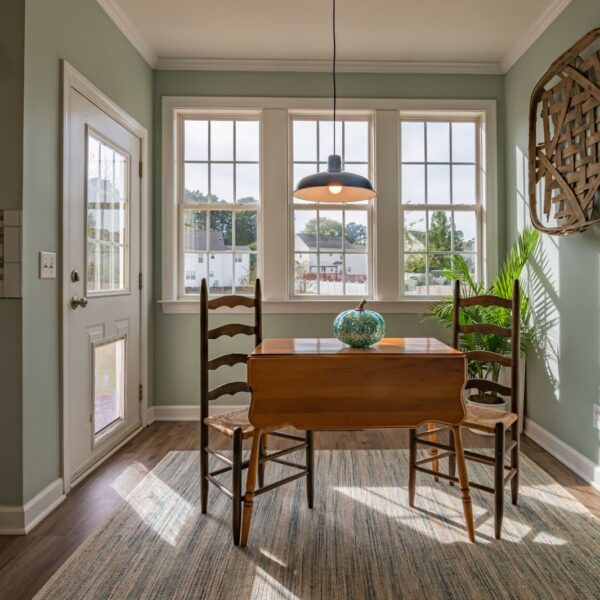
x=491 y=32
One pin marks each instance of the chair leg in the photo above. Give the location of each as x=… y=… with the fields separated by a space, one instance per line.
x=250 y=487
x=412 y=473
x=463 y=479
x=236 y=474
x=514 y=463
x=203 y=468
x=452 y=457
x=261 y=465
x=435 y=464
x=310 y=475
x=499 y=479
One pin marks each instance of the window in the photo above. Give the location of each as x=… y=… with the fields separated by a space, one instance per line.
x=219 y=203
x=331 y=243
x=440 y=201
x=228 y=213
x=107 y=230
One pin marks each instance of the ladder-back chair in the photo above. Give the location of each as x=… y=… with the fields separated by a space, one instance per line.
x=235 y=424
x=481 y=418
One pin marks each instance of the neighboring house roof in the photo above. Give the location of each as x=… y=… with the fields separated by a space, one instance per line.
x=196 y=240
x=415 y=240
x=327 y=242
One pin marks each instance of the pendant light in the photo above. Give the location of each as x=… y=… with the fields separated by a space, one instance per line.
x=334 y=185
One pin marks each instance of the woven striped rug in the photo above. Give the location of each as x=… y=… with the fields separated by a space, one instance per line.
x=361 y=541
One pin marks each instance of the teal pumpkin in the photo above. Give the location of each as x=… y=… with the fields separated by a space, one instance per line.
x=359 y=328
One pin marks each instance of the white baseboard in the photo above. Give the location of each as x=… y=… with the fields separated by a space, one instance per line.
x=187 y=412
x=568 y=456
x=20 y=520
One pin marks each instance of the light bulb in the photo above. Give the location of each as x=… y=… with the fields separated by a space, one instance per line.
x=335 y=189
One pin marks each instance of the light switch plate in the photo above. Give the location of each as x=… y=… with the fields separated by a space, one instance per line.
x=597 y=417
x=47 y=265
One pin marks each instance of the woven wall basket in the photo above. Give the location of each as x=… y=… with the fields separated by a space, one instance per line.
x=564 y=141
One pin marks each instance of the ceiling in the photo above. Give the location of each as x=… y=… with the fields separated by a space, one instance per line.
x=485 y=34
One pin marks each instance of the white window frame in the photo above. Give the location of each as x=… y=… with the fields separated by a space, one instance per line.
x=250 y=115
x=342 y=115
x=480 y=182
x=387 y=238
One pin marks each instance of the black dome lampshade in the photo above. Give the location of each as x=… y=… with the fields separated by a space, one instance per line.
x=334 y=185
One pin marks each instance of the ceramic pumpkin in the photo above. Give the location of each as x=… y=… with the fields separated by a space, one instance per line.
x=359 y=328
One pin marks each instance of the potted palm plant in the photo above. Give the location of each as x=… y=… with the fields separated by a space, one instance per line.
x=502 y=286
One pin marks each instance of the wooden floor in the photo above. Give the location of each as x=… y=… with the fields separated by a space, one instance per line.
x=27 y=562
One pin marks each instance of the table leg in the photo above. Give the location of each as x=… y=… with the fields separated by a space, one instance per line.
x=463 y=479
x=250 y=487
x=433 y=451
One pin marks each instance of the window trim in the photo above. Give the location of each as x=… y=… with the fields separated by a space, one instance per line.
x=273 y=263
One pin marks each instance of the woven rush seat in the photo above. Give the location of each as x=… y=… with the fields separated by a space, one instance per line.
x=227 y=422
x=485 y=419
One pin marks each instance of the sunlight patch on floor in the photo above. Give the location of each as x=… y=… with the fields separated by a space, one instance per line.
x=266 y=586
x=159 y=506
x=437 y=514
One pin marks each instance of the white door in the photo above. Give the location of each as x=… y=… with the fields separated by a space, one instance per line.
x=104 y=277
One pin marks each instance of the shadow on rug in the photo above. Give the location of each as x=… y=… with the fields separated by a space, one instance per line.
x=360 y=541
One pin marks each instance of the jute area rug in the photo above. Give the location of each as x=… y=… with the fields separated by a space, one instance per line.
x=361 y=540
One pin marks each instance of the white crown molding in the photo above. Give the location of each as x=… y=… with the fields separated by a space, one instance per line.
x=130 y=30
x=324 y=66
x=546 y=18
x=126 y=25
x=567 y=455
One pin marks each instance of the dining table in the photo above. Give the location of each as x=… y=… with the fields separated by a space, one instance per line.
x=322 y=384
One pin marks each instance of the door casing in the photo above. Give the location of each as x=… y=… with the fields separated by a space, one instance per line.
x=73 y=79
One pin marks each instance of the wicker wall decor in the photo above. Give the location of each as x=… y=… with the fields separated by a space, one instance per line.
x=564 y=141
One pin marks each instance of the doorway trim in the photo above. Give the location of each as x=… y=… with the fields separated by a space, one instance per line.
x=73 y=79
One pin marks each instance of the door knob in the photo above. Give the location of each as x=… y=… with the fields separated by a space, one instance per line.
x=77 y=302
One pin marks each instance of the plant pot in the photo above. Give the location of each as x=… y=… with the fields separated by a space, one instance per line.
x=487 y=401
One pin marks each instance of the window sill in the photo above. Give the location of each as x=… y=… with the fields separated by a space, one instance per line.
x=291 y=307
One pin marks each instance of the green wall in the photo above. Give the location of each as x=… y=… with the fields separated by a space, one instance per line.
x=563 y=373
x=177 y=342
x=80 y=32
x=12 y=44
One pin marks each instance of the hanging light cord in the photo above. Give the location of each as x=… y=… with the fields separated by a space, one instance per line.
x=334 y=87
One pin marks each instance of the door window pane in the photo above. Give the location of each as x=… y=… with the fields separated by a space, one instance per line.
x=107 y=218
x=109 y=384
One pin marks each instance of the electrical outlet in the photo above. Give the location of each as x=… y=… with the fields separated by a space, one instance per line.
x=597 y=417
x=47 y=265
